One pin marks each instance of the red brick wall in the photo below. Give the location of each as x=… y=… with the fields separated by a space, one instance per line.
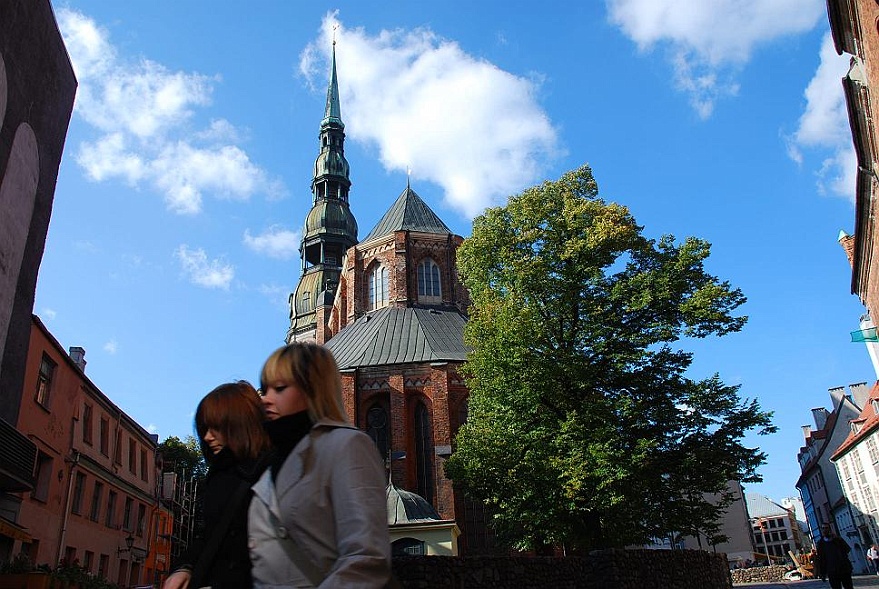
x=400 y=387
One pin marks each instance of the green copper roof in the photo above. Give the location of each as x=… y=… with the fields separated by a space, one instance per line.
x=408 y=213
x=333 y=113
x=394 y=335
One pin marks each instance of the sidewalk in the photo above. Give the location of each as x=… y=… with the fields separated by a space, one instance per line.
x=859 y=581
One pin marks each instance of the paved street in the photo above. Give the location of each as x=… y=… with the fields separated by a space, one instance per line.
x=859 y=581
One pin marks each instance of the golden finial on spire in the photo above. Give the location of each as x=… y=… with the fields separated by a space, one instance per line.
x=336 y=26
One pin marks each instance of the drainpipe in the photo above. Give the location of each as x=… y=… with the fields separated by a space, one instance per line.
x=62 y=533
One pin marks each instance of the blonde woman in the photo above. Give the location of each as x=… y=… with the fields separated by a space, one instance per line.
x=318 y=516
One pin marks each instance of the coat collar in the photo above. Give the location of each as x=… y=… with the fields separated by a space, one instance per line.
x=302 y=457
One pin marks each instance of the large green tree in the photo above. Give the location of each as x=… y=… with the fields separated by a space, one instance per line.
x=584 y=428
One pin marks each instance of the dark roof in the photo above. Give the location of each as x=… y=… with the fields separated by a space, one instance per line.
x=408 y=213
x=395 y=335
x=406 y=507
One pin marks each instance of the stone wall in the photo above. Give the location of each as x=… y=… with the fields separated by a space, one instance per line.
x=770 y=574
x=606 y=569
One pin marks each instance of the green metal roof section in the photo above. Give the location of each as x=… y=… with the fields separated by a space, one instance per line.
x=394 y=335
x=408 y=213
x=333 y=113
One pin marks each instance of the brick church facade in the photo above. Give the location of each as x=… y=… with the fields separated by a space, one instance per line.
x=392 y=309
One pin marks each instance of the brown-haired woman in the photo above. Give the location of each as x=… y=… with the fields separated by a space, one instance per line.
x=319 y=514
x=229 y=422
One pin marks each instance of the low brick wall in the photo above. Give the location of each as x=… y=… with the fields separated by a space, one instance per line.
x=605 y=569
x=770 y=574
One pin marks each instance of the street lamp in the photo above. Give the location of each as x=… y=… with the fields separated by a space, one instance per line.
x=129 y=542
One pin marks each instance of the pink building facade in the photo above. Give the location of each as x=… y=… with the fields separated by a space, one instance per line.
x=94 y=499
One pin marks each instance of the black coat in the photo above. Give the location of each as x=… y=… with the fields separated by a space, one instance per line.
x=833 y=558
x=230 y=568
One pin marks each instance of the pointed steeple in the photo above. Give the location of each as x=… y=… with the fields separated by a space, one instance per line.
x=408 y=213
x=333 y=112
x=330 y=227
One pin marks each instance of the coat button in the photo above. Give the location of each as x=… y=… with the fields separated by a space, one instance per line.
x=282 y=531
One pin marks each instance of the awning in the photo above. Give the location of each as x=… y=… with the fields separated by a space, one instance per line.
x=865 y=335
x=13 y=530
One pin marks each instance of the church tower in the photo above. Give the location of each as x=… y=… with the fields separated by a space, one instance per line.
x=330 y=227
x=392 y=310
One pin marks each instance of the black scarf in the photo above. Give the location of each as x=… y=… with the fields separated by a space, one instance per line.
x=285 y=432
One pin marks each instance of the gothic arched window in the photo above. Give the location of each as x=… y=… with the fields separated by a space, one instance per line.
x=423 y=452
x=429 y=287
x=377 y=428
x=377 y=283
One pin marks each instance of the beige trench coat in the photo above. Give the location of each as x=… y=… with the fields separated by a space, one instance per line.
x=326 y=512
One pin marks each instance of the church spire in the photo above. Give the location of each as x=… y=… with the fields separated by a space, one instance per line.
x=333 y=112
x=330 y=227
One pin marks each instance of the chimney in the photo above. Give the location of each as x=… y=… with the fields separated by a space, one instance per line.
x=860 y=394
x=848 y=245
x=77 y=354
x=807 y=431
x=837 y=397
x=820 y=416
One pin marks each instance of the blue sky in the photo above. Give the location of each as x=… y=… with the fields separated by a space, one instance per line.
x=185 y=180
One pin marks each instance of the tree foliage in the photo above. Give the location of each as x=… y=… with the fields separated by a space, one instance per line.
x=584 y=429
x=183 y=456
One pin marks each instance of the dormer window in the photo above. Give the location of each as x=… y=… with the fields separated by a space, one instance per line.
x=875 y=404
x=856 y=427
x=377 y=283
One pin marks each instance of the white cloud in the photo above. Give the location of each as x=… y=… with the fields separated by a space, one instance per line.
x=152 y=428
x=184 y=172
x=85 y=245
x=143 y=112
x=278 y=296
x=111 y=347
x=461 y=122
x=49 y=314
x=824 y=125
x=709 y=40
x=274 y=242
x=201 y=271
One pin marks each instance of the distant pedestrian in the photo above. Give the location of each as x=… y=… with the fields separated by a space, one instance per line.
x=833 y=563
x=873 y=558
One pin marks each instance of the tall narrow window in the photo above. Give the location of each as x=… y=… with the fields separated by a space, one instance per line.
x=423 y=452
x=429 y=288
x=104 y=436
x=110 y=520
x=377 y=428
x=42 y=477
x=97 y=499
x=78 y=485
x=44 y=381
x=141 y=518
x=87 y=424
x=378 y=287
x=144 y=467
x=126 y=515
x=132 y=456
x=117 y=453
